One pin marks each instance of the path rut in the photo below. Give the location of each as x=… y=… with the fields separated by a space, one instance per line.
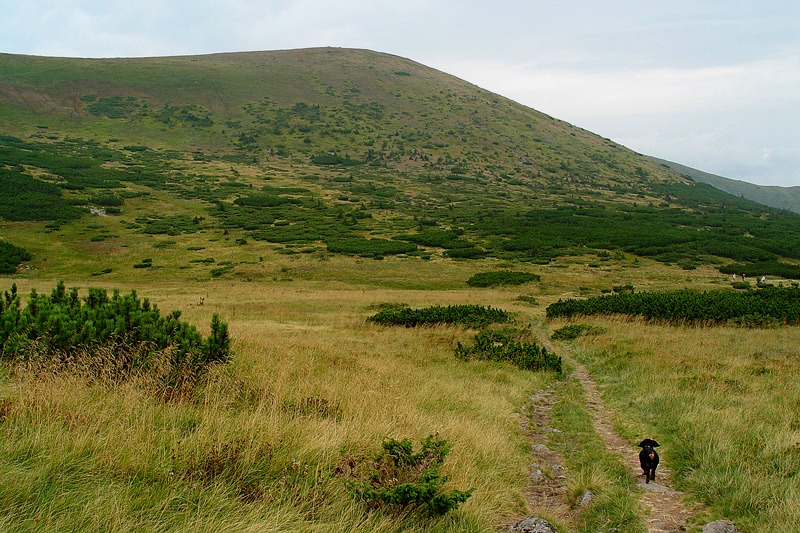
x=668 y=512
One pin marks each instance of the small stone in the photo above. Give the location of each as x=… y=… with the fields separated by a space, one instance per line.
x=540 y=448
x=532 y=524
x=585 y=500
x=537 y=475
x=558 y=469
x=552 y=430
x=720 y=526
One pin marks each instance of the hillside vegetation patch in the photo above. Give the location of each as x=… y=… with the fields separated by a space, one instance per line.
x=492 y=345
x=765 y=305
x=503 y=277
x=11 y=256
x=473 y=316
x=401 y=479
x=116 y=337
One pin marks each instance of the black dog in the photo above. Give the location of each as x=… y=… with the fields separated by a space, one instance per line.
x=648 y=458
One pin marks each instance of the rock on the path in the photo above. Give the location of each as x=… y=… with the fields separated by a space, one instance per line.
x=657 y=487
x=720 y=526
x=532 y=524
x=540 y=448
x=585 y=500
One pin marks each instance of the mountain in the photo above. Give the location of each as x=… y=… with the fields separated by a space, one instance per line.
x=337 y=151
x=779 y=197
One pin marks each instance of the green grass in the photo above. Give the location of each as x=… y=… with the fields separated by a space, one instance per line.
x=721 y=406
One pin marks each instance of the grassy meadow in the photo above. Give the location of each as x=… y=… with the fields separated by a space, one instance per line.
x=270 y=442
x=723 y=402
x=312 y=387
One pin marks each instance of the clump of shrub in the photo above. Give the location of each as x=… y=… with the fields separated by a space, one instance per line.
x=369 y=247
x=404 y=480
x=11 y=256
x=503 y=277
x=573 y=331
x=117 y=337
x=475 y=316
x=623 y=289
x=782 y=304
x=144 y=263
x=498 y=346
x=466 y=253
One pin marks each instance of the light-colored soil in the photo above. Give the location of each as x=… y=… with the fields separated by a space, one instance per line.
x=545 y=493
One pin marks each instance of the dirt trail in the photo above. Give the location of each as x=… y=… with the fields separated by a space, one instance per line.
x=546 y=493
x=668 y=513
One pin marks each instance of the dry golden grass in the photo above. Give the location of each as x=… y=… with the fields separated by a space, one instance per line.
x=265 y=446
x=312 y=384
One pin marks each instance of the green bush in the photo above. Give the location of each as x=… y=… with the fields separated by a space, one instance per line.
x=369 y=247
x=465 y=253
x=474 y=316
x=763 y=268
x=56 y=330
x=503 y=277
x=628 y=288
x=25 y=198
x=404 y=480
x=527 y=299
x=498 y=346
x=11 y=256
x=781 y=304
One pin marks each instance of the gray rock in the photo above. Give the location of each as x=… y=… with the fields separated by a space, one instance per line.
x=552 y=430
x=533 y=524
x=585 y=500
x=720 y=526
x=537 y=475
x=540 y=448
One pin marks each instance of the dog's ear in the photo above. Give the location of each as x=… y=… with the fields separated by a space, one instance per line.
x=648 y=442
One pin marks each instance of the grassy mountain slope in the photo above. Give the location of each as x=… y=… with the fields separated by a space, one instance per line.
x=337 y=151
x=779 y=197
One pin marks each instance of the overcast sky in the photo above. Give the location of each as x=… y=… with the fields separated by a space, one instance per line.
x=712 y=84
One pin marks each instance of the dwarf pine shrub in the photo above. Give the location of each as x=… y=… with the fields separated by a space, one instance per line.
x=124 y=332
x=498 y=346
x=475 y=316
x=402 y=479
x=503 y=277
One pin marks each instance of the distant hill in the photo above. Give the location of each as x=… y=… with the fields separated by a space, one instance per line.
x=779 y=197
x=336 y=151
